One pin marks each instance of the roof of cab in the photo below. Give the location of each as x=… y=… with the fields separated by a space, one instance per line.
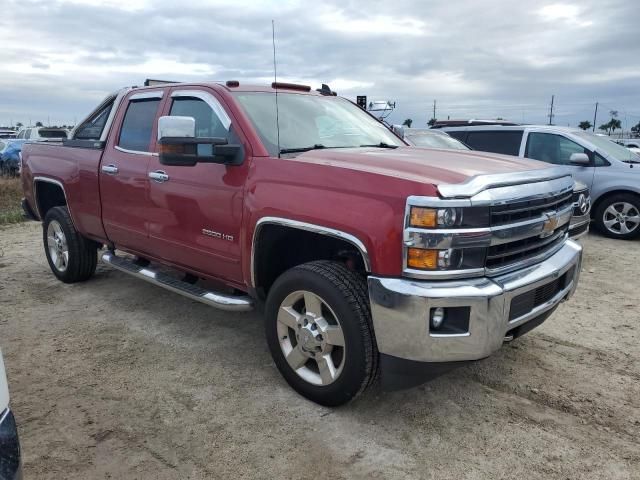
x=283 y=87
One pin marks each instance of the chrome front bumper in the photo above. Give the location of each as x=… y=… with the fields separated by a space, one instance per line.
x=401 y=309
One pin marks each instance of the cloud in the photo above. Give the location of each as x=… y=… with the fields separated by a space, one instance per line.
x=476 y=59
x=564 y=12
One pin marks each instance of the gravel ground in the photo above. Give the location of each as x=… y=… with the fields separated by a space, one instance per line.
x=115 y=378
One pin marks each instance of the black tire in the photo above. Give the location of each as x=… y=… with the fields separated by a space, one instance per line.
x=345 y=292
x=82 y=252
x=601 y=215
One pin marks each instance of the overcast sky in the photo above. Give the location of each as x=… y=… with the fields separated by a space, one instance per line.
x=478 y=59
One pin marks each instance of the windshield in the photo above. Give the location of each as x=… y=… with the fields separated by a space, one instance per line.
x=610 y=148
x=435 y=140
x=312 y=121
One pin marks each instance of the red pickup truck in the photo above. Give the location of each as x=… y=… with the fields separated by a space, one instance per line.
x=368 y=256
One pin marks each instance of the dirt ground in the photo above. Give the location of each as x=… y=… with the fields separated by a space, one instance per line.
x=115 y=378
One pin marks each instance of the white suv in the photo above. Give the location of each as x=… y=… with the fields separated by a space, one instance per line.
x=40 y=134
x=610 y=171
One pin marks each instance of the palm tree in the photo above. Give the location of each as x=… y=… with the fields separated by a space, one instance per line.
x=408 y=122
x=585 y=125
x=615 y=123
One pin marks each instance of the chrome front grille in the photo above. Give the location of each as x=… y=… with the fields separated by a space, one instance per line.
x=524 y=210
x=503 y=255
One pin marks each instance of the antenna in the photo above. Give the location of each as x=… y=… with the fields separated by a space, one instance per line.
x=275 y=81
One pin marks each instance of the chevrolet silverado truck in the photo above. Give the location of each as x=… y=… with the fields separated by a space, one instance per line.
x=369 y=257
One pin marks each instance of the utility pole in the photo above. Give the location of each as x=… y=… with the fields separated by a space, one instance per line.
x=595 y=114
x=551 y=111
x=434 y=109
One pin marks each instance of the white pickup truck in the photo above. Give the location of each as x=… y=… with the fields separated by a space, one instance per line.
x=10 y=464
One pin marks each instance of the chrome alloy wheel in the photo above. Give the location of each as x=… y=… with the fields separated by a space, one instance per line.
x=621 y=218
x=311 y=338
x=57 y=245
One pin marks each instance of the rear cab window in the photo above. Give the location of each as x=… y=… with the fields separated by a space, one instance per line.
x=93 y=128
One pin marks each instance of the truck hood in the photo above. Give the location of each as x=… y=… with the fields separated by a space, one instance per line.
x=425 y=165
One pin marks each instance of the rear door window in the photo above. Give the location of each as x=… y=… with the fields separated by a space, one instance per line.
x=137 y=124
x=506 y=142
x=552 y=148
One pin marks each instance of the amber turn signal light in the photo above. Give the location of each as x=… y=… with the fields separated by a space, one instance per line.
x=423 y=217
x=422 y=259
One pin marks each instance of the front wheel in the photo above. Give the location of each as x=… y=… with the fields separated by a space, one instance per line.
x=72 y=257
x=318 y=327
x=619 y=216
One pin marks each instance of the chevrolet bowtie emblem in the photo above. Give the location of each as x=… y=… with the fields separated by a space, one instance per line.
x=550 y=224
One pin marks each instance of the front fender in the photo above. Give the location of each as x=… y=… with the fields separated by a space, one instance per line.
x=361 y=207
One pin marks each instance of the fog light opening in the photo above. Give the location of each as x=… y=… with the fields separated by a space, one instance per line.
x=437 y=317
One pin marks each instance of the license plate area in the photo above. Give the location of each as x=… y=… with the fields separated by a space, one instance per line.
x=525 y=302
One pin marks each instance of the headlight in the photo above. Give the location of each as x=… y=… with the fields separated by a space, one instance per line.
x=445 y=259
x=449 y=217
x=445 y=240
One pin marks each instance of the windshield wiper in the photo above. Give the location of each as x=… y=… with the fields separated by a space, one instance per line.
x=317 y=146
x=381 y=145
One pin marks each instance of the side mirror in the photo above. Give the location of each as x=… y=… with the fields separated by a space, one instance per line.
x=179 y=145
x=581 y=159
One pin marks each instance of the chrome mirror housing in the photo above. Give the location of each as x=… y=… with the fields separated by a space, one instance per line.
x=176 y=127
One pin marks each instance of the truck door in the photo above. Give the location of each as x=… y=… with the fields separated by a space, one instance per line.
x=196 y=212
x=557 y=149
x=123 y=171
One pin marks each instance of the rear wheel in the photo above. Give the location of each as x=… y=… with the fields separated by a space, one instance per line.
x=72 y=258
x=619 y=216
x=318 y=327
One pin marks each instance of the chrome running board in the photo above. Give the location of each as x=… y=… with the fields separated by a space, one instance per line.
x=240 y=303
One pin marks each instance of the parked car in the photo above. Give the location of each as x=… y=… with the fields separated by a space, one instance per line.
x=344 y=232
x=40 y=134
x=610 y=171
x=430 y=138
x=628 y=142
x=10 y=457
x=426 y=137
x=581 y=218
x=10 y=157
x=4 y=133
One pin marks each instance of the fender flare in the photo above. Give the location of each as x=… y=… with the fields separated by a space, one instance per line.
x=309 y=227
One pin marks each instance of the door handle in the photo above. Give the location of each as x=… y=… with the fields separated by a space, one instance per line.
x=110 y=169
x=159 y=176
